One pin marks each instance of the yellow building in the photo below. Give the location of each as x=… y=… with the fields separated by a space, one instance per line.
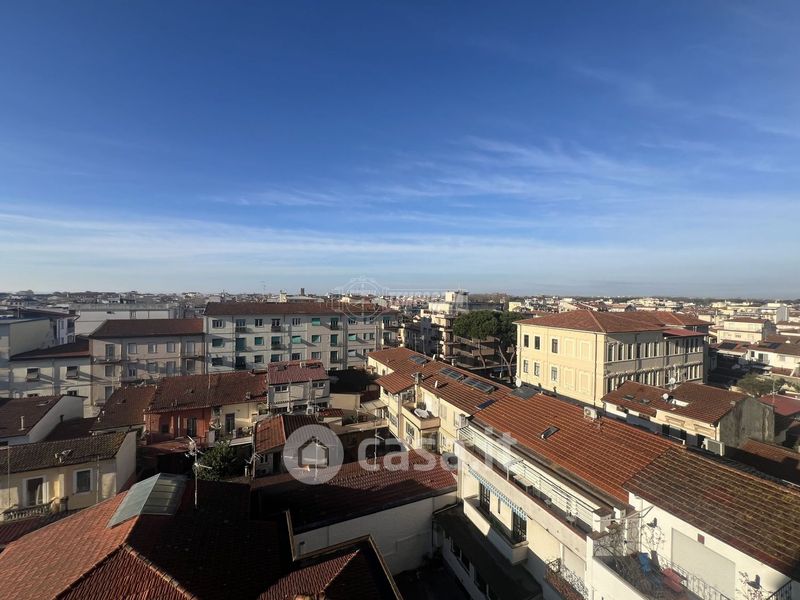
x=585 y=354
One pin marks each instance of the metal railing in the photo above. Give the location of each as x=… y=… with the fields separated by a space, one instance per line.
x=782 y=593
x=38 y=510
x=567 y=583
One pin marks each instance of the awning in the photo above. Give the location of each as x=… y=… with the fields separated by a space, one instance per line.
x=503 y=498
x=374 y=404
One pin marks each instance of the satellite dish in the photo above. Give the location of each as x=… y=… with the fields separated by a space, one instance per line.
x=665 y=396
x=671 y=381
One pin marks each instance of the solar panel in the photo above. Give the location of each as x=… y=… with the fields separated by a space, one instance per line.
x=157 y=495
x=483 y=405
x=452 y=374
x=420 y=360
x=479 y=385
x=525 y=392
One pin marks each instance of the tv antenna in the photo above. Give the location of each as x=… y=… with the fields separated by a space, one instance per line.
x=194 y=453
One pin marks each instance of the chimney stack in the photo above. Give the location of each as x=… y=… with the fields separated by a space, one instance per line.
x=22 y=422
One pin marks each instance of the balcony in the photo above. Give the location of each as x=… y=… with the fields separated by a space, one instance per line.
x=38 y=510
x=277 y=346
x=334 y=326
x=568 y=584
x=422 y=423
x=242 y=329
x=514 y=550
x=108 y=359
x=276 y=328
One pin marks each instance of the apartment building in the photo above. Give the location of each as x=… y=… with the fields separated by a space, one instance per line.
x=559 y=502
x=62 y=323
x=63 y=369
x=30 y=420
x=88 y=317
x=750 y=330
x=693 y=414
x=585 y=354
x=783 y=357
x=426 y=401
x=126 y=351
x=248 y=335
x=18 y=335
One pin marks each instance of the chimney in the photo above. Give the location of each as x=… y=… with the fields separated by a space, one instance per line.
x=22 y=422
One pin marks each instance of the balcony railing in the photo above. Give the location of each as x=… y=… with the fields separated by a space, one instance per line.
x=242 y=329
x=567 y=583
x=782 y=593
x=38 y=510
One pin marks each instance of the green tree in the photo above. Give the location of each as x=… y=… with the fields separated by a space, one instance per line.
x=221 y=461
x=481 y=325
x=759 y=386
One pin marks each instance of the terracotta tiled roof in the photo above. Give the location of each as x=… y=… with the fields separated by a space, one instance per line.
x=229 y=309
x=295 y=371
x=777 y=348
x=746 y=320
x=397 y=359
x=771 y=459
x=13 y=530
x=589 y=320
x=704 y=402
x=213 y=389
x=604 y=453
x=125 y=407
x=756 y=516
x=785 y=406
x=394 y=383
x=272 y=432
x=77 y=349
x=122 y=328
x=45 y=455
x=32 y=409
x=343 y=572
x=214 y=552
x=355 y=491
x=71 y=429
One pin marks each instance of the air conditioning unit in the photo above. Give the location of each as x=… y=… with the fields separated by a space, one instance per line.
x=589 y=413
x=714 y=446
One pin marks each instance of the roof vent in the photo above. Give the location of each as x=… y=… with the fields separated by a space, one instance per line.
x=548 y=432
x=21 y=422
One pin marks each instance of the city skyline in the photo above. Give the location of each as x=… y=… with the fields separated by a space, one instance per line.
x=201 y=147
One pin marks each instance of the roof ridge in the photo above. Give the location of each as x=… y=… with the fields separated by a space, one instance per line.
x=126 y=547
x=83 y=576
x=596 y=320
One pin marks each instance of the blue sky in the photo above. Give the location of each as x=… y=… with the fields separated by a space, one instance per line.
x=561 y=147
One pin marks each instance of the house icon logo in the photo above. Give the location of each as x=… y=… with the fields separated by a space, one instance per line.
x=313 y=454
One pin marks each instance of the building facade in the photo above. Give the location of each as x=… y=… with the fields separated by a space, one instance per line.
x=63 y=369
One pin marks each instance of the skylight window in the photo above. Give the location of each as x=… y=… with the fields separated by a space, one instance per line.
x=549 y=432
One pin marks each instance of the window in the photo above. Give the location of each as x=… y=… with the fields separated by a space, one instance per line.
x=519 y=527
x=610 y=353
x=259 y=322
x=275 y=358
x=230 y=422
x=554 y=373
x=485 y=498
x=319 y=385
x=189 y=346
x=281 y=388
x=152 y=368
x=259 y=358
x=72 y=372
x=334 y=322
x=315 y=321
x=107 y=391
x=217 y=342
x=241 y=322
x=353 y=337
x=524 y=366
x=191 y=426
x=258 y=341
x=152 y=348
x=297 y=339
x=334 y=355
x=190 y=366
x=216 y=361
x=32 y=374
x=316 y=339
x=525 y=340
x=410 y=431
x=334 y=339
x=297 y=356
x=316 y=355
x=241 y=344
x=351 y=321
x=537 y=342
x=275 y=341
x=537 y=369
x=217 y=324
x=109 y=370
x=165 y=428
x=296 y=320
x=83 y=481
x=109 y=350
x=133 y=370
x=131 y=348
x=170 y=367
x=34 y=491
x=554 y=345
x=276 y=322
x=170 y=346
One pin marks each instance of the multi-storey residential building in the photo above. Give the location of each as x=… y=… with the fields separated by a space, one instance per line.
x=62 y=323
x=248 y=335
x=91 y=316
x=18 y=335
x=745 y=329
x=63 y=369
x=427 y=401
x=585 y=354
x=783 y=357
x=559 y=501
x=128 y=351
x=29 y=420
x=695 y=414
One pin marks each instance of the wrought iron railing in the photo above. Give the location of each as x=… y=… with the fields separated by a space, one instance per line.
x=38 y=510
x=567 y=583
x=782 y=593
